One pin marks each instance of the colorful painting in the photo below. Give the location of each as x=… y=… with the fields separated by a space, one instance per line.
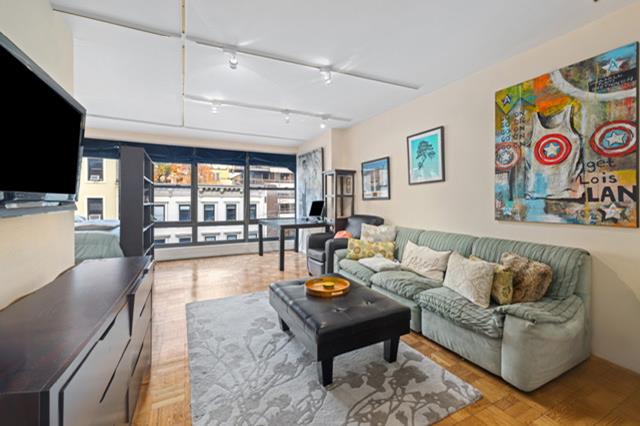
x=426 y=156
x=375 y=180
x=566 y=144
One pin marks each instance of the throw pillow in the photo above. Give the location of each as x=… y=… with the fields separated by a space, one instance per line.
x=471 y=279
x=531 y=279
x=377 y=234
x=502 y=287
x=343 y=234
x=380 y=263
x=358 y=249
x=424 y=261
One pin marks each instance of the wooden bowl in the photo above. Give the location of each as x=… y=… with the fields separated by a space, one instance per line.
x=327 y=287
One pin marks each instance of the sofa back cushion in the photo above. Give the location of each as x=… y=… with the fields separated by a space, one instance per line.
x=566 y=262
x=354 y=223
x=446 y=241
x=402 y=236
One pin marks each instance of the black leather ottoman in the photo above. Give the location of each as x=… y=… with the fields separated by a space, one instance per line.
x=330 y=327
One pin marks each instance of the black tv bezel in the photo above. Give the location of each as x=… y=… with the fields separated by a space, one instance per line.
x=17 y=197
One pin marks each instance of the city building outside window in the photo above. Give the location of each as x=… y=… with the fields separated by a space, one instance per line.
x=232 y=212
x=159 y=213
x=253 y=211
x=95 y=169
x=232 y=236
x=184 y=239
x=95 y=208
x=210 y=237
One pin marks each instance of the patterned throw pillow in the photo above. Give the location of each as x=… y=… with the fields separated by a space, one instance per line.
x=502 y=287
x=471 y=279
x=377 y=234
x=358 y=249
x=531 y=279
x=424 y=261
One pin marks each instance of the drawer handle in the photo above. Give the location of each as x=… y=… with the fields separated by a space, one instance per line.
x=108 y=329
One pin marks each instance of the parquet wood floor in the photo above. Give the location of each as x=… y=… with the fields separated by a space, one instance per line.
x=594 y=393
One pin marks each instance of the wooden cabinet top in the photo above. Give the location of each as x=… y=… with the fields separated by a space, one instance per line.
x=44 y=332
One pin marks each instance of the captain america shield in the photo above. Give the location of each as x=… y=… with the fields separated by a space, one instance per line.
x=552 y=149
x=615 y=138
x=507 y=156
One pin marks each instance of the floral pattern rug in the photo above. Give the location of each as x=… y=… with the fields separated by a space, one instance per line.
x=245 y=371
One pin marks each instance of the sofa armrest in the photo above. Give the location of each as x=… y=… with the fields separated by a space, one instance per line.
x=544 y=311
x=331 y=247
x=318 y=240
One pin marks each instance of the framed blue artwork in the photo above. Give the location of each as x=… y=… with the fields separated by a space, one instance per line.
x=425 y=151
x=376 y=184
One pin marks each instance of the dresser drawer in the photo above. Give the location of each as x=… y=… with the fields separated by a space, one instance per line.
x=82 y=394
x=140 y=293
x=141 y=365
x=140 y=326
x=112 y=409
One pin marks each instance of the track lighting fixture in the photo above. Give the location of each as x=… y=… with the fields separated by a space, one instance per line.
x=323 y=123
x=287 y=116
x=233 y=58
x=326 y=74
x=215 y=107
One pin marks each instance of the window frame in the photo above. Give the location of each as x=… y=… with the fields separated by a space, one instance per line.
x=245 y=222
x=101 y=160
x=88 y=200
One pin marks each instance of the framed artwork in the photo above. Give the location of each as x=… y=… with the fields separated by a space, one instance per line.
x=425 y=152
x=376 y=183
x=348 y=185
x=566 y=148
x=310 y=166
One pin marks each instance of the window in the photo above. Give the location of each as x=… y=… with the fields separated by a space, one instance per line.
x=253 y=235
x=184 y=212
x=232 y=237
x=184 y=239
x=210 y=237
x=160 y=241
x=159 y=213
x=209 y=212
x=232 y=212
x=253 y=211
x=95 y=208
x=272 y=192
x=95 y=169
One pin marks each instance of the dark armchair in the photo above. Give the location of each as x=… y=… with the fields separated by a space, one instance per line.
x=321 y=246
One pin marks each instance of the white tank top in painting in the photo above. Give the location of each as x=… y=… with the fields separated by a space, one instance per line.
x=554 y=158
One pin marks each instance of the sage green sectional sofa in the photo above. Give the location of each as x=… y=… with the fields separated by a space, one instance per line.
x=527 y=344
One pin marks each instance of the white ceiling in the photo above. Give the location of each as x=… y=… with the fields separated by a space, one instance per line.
x=133 y=80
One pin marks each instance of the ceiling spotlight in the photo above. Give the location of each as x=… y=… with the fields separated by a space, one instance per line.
x=327 y=77
x=323 y=123
x=215 y=107
x=233 y=58
x=287 y=116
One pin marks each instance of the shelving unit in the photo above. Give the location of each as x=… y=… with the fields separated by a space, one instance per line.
x=136 y=202
x=339 y=187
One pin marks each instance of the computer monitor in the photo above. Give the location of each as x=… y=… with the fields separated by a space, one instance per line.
x=316 y=209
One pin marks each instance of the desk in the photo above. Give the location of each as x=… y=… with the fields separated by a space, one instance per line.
x=282 y=225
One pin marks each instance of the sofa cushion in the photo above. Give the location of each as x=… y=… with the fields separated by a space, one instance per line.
x=566 y=262
x=425 y=261
x=447 y=241
x=378 y=234
x=453 y=307
x=545 y=311
x=403 y=283
x=316 y=254
x=470 y=278
x=356 y=269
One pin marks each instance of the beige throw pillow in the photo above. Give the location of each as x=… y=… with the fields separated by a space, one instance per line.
x=377 y=234
x=471 y=279
x=531 y=279
x=424 y=261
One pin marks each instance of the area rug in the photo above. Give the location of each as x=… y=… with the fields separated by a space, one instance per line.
x=245 y=371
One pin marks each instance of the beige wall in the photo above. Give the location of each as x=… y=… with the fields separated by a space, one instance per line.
x=464 y=203
x=185 y=141
x=35 y=249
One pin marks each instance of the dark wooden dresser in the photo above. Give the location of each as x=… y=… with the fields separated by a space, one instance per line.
x=75 y=351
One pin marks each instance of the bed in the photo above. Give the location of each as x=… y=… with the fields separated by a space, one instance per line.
x=97 y=239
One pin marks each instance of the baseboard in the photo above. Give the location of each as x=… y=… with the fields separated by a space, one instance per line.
x=213 y=250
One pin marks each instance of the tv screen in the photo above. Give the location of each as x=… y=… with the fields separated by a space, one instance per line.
x=42 y=127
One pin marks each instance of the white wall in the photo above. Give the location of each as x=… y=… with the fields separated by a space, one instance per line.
x=464 y=203
x=35 y=249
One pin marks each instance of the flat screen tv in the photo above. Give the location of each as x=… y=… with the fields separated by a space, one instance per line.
x=42 y=128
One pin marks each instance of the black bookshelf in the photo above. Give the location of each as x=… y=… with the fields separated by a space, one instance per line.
x=136 y=202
